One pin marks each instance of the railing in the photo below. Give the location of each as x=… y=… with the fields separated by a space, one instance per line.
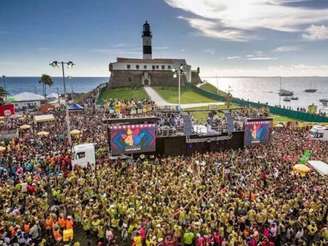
x=297 y=115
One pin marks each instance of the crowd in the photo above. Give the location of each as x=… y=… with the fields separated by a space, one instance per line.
x=129 y=108
x=235 y=197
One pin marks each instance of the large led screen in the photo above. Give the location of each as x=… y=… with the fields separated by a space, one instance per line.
x=257 y=131
x=129 y=139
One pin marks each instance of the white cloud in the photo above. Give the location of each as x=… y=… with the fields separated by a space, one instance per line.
x=210 y=51
x=233 y=58
x=239 y=20
x=316 y=32
x=261 y=58
x=212 y=29
x=286 y=48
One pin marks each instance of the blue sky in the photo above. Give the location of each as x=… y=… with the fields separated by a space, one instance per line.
x=222 y=37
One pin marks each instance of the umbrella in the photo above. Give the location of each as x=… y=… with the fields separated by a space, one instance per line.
x=43 y=133
x=75 y=132
x=25 y=127
x=301 y=169
x=2 y=149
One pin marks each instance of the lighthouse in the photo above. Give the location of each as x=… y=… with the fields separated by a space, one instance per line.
x=146 y=41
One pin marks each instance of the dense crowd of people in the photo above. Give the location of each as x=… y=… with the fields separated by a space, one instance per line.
x=236 y=197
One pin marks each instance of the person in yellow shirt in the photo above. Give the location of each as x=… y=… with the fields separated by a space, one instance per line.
x=137 y=240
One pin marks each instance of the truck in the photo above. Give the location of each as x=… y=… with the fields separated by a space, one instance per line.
x=84 y=155
x=319 y=132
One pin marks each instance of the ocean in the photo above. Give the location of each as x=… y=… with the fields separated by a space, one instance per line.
x=262 y=89
x=15 y=85
x=265 y=89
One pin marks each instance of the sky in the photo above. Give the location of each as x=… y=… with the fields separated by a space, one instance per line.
x=222 y=37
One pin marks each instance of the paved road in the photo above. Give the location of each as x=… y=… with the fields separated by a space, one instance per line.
x=154 y=96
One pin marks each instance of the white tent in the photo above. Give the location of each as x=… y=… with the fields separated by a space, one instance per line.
x=320 y=166
x=53 y=96
x=43 y=118
x=27 y=97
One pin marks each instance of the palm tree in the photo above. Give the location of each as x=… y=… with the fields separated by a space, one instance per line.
x=3 y=94
x=45 y=80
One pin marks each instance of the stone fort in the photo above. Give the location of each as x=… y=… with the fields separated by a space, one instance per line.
x=148 y=71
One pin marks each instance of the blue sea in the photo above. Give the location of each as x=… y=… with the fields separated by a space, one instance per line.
x=15 y=85
x=262 y=89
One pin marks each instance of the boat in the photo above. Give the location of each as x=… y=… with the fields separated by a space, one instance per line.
x=285 y=93
x=324 y=101
x=294 y=98
x=310 y=90
x=287 y=99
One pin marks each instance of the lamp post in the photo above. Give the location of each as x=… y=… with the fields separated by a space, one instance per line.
x=62 y=64
x=178 y=72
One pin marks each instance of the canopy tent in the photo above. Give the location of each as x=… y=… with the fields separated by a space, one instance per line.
x=43 y=118
x=301 y=169
x=320 y=166
x=75 y=132
x=25 y=127
x=27 y=97
x=75 y=107
x=43 y=134
x=53 y=96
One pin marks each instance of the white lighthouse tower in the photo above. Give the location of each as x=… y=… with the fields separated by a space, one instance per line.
x=146 y=41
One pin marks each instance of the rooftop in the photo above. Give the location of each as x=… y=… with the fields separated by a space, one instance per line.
x=152 y=61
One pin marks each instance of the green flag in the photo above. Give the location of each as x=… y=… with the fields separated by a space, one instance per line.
x=305 y=157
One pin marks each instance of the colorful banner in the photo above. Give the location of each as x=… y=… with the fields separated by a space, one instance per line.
x=257 y=131
x=7 y=109
x=305 y=157
x=128 y=139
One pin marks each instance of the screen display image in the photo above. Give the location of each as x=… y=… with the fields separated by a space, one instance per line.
x=257 y=131
x=129 y=139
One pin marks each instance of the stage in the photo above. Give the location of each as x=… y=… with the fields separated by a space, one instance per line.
x=180 y=145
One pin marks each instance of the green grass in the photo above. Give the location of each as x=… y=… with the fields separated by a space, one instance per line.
x=124 y=93
x=170 y=94
x=211 y=88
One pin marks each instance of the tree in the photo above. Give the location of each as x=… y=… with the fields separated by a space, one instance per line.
x=45 y=80
x=3 y=94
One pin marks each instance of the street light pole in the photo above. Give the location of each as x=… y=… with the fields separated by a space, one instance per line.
x=179 y=72
x=68 y=123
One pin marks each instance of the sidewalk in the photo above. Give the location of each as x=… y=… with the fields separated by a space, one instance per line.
x=154 y=96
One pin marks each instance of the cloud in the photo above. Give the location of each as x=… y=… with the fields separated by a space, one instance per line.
x=286 y=48
x=261 y=58
x=316 y=32
x=233 y=58
x=212 y=29
x=241 y=20
x=210 y=51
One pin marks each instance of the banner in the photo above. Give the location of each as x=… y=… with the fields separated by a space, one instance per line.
x=7 y=109
x=305 y=157
x=128 y=139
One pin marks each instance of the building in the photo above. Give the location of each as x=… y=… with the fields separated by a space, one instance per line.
x=148 y=71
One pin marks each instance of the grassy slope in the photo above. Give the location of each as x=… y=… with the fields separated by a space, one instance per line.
x=170 y=94
x=211 y=88
x=122 y=93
